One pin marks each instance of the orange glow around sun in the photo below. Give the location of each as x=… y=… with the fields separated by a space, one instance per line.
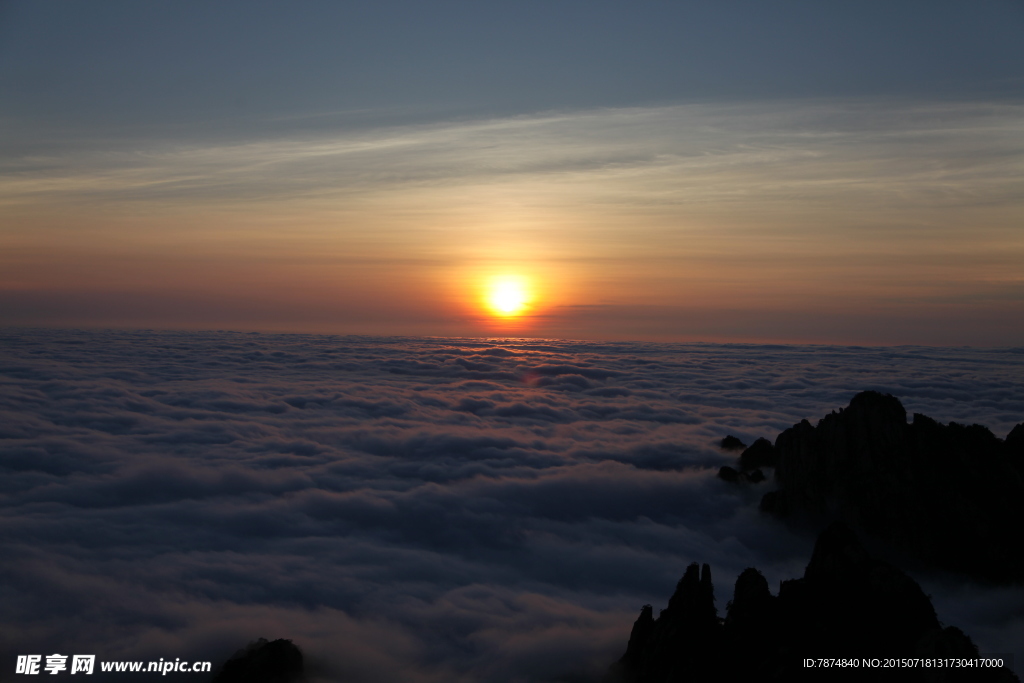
x=508 y=296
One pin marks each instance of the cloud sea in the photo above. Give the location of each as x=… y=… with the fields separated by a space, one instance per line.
x=417 y=509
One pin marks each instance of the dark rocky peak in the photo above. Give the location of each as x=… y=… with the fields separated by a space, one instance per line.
x=638 y=639
x=705 y=606
x=848 y=604
x=277 y=661
x=760 y=454
x=871 y=604
x=751 y=588
x=752 y=606
x=686 y=589
x=949 y=494
x=1014 y=444
x=683 y=643
x=729 y=474
x=873 y=423
x=838 y=556
x=872 y=427
x=733 y=476
x=875 y=407
x=731 y=443
x=1013 y=448
x=967 y=447
x=694 y=597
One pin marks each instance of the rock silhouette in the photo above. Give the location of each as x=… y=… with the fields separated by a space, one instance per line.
x=687 y=630
x=731 y=443
x=1014 y=446
x=951 y=495
x=733 y=476
x=847 y=605
x=760 y=454
x=730 y=474
x=278 y=661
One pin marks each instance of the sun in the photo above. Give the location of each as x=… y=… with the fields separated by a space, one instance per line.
x=508 y=296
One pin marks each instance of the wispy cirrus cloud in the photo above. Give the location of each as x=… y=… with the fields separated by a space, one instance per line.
x=957 y=153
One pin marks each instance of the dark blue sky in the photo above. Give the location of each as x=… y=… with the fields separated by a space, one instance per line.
x=79 y=68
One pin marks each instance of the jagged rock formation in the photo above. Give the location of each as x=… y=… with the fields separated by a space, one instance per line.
x=685 y=640
x=733 y=476
x=847 y=605
x=731 y=443
x=1013 y=446
x=760 y=454
x=278 y=661
x=729 y=474
x=951 y=494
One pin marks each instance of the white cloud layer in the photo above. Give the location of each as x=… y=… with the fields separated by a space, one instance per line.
x=415 y=509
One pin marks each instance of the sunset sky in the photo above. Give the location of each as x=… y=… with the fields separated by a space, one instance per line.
x=674 y=171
